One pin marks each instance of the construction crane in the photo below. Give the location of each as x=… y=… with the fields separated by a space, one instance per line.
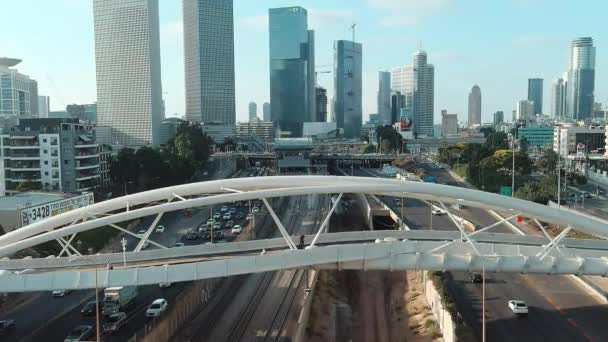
x=317 y=72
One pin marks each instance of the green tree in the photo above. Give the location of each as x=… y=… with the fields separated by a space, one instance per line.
x=393 y=138
x=497 y=141
x=487 y=131
x=547 y=163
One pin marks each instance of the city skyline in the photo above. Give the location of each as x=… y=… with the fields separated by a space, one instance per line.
x=547 y=50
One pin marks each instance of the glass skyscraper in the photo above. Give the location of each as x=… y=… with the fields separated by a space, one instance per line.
x=581 y=79
x=424 y=96
x=348 y=110
x=292 y=81
x=535 y=94
x=209 y=61
x=475 y=106
x=127 y=60
x=18 y=92
x=384 y=97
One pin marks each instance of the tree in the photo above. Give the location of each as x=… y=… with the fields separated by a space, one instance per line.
x=497 y=141
x=487 y=131
x=28 y=185
x=389 y=134
x=540 y=192
x=547 y=164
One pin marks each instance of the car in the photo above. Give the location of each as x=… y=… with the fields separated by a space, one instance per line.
x=6 y=326
x=89 y=309
x=229 y=224
x=476 y=278
x=438 y=211
x=60 y=293
x=192 y=235
x=397 y=201
x=232 y=210
x=160 y=229
x=80 y=333
x=210 y=222
x=238 y=215
x=206 y=236
x=217 y=216
x=202 y=229
x=217 y=225
x=157 y=308
x=255 y=210
x=164 y=284
x=179 y=244
x=114 y=322
x=518 y=307
x=218 y=235
x=236 y=229
x=227 y=216
x=224 y=209
x=587 y=195
x=142 y=232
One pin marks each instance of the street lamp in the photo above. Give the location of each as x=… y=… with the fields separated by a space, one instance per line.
x=123 y=242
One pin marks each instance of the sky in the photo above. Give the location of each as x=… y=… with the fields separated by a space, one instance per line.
x=496 y=44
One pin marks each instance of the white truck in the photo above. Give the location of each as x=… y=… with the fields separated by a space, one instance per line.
x=116 y=299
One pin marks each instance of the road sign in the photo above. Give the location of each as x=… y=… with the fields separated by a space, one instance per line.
x=40 y=212
x=506 y=190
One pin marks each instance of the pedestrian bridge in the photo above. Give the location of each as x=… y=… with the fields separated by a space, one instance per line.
x=389 y=250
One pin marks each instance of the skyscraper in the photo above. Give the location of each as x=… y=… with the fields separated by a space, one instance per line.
x=44 y=105
x=127 y=60
x=475 y=106
x=321 y=104
x=525 y=110
x=403 y=80
x=397 y=103
x=209 y=61
x=18 y=92
x=292 y=68
x=558 y=99
x=424 y=96
x=499 y=117
x=347 y=108
x=535 y=94
x=384 y=97
x=449 y=123
x=34 y=99
x=253 y=112
x=266 y=112
x=581 y=79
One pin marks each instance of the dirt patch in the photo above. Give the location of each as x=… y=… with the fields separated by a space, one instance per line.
x=421 y=321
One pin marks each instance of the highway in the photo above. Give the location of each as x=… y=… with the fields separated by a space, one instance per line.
x=560 y=309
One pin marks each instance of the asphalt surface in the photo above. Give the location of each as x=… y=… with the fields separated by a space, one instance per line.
x=45 y=318
x=560 y=310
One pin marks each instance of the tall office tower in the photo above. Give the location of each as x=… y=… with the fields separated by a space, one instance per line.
x=291 y=69
x=127 y=60
x=311 y=77
x=535 y=94
x=266 y=112
x=424 y=96
x=525 y=110
x=499 y=117
x=581 y=79
x=397 y=104
x=18 y=92
x=209 y=61
x=558 y=99
x=347 y=107
x=403 y=80
x=449 y=123
x=321 y=104
x=384 y=97
x=253 y=112
x=44 y=104
x=475 y=106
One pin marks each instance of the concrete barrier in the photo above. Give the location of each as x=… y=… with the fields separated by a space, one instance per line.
x=442 y=316
x=304 y=316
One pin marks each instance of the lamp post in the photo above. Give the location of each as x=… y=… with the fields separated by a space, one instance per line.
x=123 y=242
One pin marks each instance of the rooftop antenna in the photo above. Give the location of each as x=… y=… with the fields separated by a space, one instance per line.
x=352 y=27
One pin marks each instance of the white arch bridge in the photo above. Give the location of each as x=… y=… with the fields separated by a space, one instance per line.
x=431 y=250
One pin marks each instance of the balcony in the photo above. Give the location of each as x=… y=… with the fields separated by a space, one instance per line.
x=86 y=167
x=86 y=155
x=23 y=168
x=86 y=145
x=16 y=179
x=81 y=178
x=24 y=147
x=22 y=157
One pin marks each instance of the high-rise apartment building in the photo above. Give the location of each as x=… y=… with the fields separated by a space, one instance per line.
x=558 y=99
x=525 y=110
x=475 y=106
x=253 y=112
x=209 y=61
x=535 y=94
x=581 y=79
x=347 y=106
x=292 y=80
x=449 y=123
x=127 y=60
x=18 y=92
x=498 y=117
x=266 y=112
x=384 y=97
x=321 y=104
x=424 y=97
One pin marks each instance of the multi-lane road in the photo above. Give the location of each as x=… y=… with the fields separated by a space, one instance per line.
x=560 y=309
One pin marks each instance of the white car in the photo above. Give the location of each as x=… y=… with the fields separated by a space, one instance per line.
x=60 y=293
x=160 y=229
x=141 y=232
x=255 y=210
x=227 y=216
x=217 y=216
x=224 y=208
x=519 y=307
x=157 y=308
x=438 y=211
x=236 y=229
x=164 y=285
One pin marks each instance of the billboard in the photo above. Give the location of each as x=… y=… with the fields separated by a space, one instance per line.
x=406 y=120
x=43 y=211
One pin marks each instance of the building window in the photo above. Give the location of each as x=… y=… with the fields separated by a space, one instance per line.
x=46 y=162
x=65 y=162
x=45 y=151
x=53 y=141
x=44 y=140
x=46 y=173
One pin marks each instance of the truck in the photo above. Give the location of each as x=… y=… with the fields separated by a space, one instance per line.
x=116 y=299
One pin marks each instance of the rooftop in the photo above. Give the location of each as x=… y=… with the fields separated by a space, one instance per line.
x=9 y=62
x=292 y=143
x=28 y=199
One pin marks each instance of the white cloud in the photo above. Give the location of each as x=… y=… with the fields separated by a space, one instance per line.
x=258 y=23
x=406 y=12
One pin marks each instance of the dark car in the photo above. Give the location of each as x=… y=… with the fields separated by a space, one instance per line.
x=192 y=235
x=238 y=215
x=88 y=310
x=80 y=333
x=206 y=236
x=476 y=278
x=6 y=326
x=218 y=235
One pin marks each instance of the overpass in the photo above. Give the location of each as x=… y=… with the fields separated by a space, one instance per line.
x=460 y=250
